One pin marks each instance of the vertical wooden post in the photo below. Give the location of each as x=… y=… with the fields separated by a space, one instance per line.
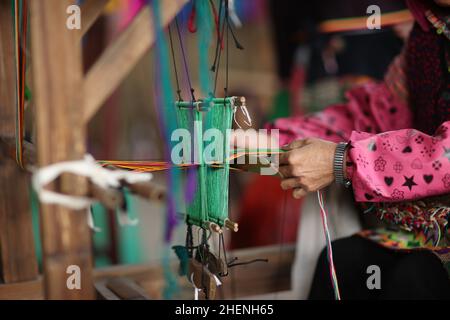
x=17 y=253
x=7 y=71
x=57 y=78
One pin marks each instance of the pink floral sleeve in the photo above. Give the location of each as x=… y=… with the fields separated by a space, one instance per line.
x=387 y=160
x=399 y=165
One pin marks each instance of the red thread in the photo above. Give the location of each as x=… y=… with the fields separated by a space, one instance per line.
x=192 y=26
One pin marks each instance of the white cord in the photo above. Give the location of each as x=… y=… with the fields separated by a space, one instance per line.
x=87 y=167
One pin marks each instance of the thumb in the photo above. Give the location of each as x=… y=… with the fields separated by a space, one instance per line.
x=296 y=144
x=299 y=193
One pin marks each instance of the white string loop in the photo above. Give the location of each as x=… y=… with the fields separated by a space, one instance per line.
x=89 y=168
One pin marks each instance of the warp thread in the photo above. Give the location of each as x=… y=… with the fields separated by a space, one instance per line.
x=324 y=214
x=165 y=103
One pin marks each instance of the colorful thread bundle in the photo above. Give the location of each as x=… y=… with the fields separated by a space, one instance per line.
x=323 y=213
x=154 y=166
x=429 y=217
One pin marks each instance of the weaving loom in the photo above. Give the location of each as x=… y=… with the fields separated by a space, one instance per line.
x=207 y=205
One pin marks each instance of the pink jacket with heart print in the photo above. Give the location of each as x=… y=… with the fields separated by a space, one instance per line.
x=387 y=160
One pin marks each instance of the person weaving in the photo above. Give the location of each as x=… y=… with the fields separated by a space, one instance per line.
x=391 y=143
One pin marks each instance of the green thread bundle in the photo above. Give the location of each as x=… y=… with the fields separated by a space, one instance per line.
x=205 y=24
x=217 y=181
x=210 y=201
x=192 y=120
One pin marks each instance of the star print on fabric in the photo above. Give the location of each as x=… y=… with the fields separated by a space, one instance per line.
x=446 y=153
x=409 y=182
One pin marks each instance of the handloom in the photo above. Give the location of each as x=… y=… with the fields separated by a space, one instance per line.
x=208 y=208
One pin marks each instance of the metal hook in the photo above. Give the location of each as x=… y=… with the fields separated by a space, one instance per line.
x=243 y=107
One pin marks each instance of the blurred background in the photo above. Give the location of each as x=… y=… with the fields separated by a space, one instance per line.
x=298 y=57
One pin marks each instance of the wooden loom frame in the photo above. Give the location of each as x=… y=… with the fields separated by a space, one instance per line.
x=61 y=131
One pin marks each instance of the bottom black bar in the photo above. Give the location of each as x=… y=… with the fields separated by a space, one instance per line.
x=229 y=309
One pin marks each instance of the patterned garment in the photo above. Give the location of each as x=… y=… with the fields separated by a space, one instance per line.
x=414 y=225
x=408 y=241
x=399 y=135
x=428 y=217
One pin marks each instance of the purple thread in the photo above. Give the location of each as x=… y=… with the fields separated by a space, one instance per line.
x=191 y=184
x=159 y=103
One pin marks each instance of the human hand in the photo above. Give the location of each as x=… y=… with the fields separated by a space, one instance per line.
x=307 y=166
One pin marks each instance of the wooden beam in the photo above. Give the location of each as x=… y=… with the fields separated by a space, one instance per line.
x=7 y=71
x=26 y=290
x=254 y=279
x=17 y=251
x=103 y=292
x=57 y=78
x=122 y=55
x=259 y=277
x=8 y=146
x=126 y=289
x=90 y=11
x=17 y=254
x=147 y=190
x=249 y=280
